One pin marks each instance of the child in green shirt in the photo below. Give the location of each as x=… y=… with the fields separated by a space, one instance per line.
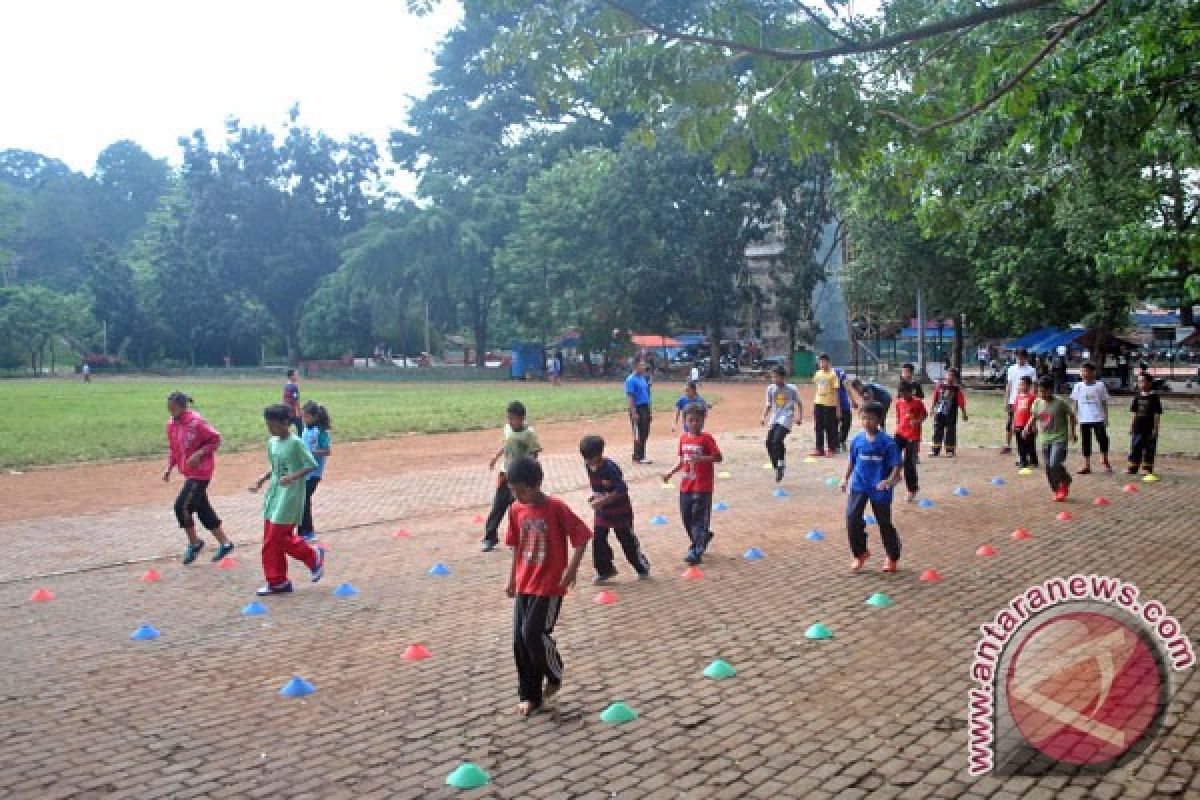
x=1056 y=421
x=283 y=505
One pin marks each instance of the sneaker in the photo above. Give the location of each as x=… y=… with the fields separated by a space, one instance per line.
x=890 y=565
x=1131 y=471
x=1061 y=494
x=309 y=536
x=193 y=550
x=935 y=453
x=1084 y=471
x=600 y=580
x=644 y=574
x=487 y=546
x=949 y=454
x=1107 y=467
x=1023 y=464
x=779 y=473
x=912 y=497
x=857 y=564
x=1005 y=450
x=817 y=453
x=318 y=571
x=691 y=558
x=283 y=588
x=222 y=551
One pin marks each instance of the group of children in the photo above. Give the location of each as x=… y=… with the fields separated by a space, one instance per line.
x=297 y=464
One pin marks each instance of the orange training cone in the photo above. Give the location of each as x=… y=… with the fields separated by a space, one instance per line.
x=401 y=534
x=931 y=576
x=476 y=520
x=986 y=550
x=416 y=652
x=693 y=573
x=227 y=562
x=151 y=576
x=1129 y=488
x=1101 y=501
x=1064 y=516
x=1020 y=534
x=41 y=596
x=605 y=598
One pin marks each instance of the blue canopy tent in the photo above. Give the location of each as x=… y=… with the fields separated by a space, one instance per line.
x=1050 y=345
x=1030 y=339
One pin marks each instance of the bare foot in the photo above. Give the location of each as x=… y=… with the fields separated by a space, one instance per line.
x=525 y=708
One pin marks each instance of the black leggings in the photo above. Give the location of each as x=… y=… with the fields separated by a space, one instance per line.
x=1086 y=429
x=776 y=448
x=908 y=451
x=306 y=523
x=193 y=498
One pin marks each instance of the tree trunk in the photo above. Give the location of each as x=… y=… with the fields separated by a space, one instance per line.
x=958 y=343
x=919 y=373
x=479 y=327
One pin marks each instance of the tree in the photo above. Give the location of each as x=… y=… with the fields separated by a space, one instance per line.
x=114 y=299
x=30 y=316
x=131 y=182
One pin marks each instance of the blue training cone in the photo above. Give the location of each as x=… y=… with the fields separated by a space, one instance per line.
x=439 y=569
x=997 y=481
x=345 y=590
x=754 y=554
x=925 y=502
x=254 y=609
x=961 y=491
x=297 y=687
x=658 y=519
x=145 y=633
x=721 y=506
x=780 y=493
x=815 y=536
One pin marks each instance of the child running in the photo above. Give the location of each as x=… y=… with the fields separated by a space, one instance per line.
x=948 y=400
x=291 y=399
x=316 y=438
x=613 y=511
x=910 y=414
x=783 y=408
x=283 y=505
x=1143 y=430
x=698 y=452
x=192 y=445
x=872 y=470
x=520 y=441
x=1057 y=421
x=1022 y=412
x=540 y=529
x=691 y=394
x=1089 y=399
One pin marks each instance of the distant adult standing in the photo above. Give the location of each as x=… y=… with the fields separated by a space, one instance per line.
x=694 y=375
x=827 y=411
x=982 y=354
x=556 y=367
x=291 y=399
x=87 y=373
x=637 y=393
x=1012 y=384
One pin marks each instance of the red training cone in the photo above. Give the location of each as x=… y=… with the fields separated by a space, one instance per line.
x=986 y=550
x=477 y=520
x=1101 y=501
x=1064 y=516
x=227 y=562
x=401 y=534
x=416 y=652
x=693 y=573
x=1021 y=534
x=1129 y=488
x=931 y=576
x=605 y=599
x=151 y=576
x=41 y=596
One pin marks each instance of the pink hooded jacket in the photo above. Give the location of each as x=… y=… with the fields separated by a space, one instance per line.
x=190 y=434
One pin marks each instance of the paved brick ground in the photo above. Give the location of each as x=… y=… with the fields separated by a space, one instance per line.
x=878 y=711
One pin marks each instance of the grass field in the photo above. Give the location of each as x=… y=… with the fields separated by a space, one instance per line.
x=53 y=422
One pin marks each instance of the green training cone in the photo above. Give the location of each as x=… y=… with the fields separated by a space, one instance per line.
x=618 y=714
x=880 y=600
x=818 y=631
x=719 y=669
x=468 y=776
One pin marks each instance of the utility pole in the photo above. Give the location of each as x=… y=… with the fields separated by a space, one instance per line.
x=920 y=371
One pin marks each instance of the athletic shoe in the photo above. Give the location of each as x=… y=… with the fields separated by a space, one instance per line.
x=644 y=574
x=318 y=571
x=1005 y=450
x=1084 y=471
x=950 y=454
x=779 y=473
x=1131 y=471
x=1107 y=467
x=488 y=546
x=857 y=564
x=934 y=453
x=1061 y=494
x=692 y=557
x=600 y=580
x=222 y=551
x=193 y=550
x=309 y=536
x=912 y=497
x=283 y=588
x=817 y=453
x=890 y=565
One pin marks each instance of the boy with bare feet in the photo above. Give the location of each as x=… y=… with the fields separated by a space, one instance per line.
x=540 y=531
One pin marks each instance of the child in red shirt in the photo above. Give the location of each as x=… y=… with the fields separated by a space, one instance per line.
x=698 y=452
x=910 y=413
x=193 y=446
x=1022 y=411
x=539 y=531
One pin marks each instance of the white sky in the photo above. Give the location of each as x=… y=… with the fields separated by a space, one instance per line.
x=79 y=75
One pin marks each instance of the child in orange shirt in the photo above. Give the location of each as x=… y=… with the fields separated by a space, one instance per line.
x=910 y=414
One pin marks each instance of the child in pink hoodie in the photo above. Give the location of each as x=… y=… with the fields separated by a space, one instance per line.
x=193 y=446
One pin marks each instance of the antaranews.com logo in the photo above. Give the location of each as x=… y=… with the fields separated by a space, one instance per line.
x=1072 y=674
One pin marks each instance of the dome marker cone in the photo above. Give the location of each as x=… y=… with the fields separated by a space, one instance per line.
x=924 y=502
x=1130 y=488
x=1064 y=516
x=255 y=609
x=723 y=475
x=439 y=569
x=880 y=600
x=721 y=506
x=998 y=481
x=1025 y=471
x=618 y=714
x=41 y=596
x=931 y=576
x=468 y=776
x=151 y=576
x=693 y=573
x=477 y=520
x=818 y=631
x=668 y=486
x=658 y=519
x=228 y=562
x=754 y=554
x=815 y=536
x=401 y=534
x=832 y=481
x=345 y=590
x=605 y=598
x=145 y=633
x=767 y=466
x=415 y=652
x=985 y=550
x=780 y=493
x=869 y=519
x=1021 y=534
x=810 y=460
x=297 y=687
x=1102 y=501
x=719 y=670
x=961 y=491
x=1150 y=478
